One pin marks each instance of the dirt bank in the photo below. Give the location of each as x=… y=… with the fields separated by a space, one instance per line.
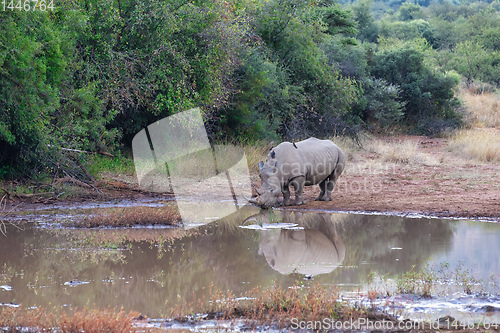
x=410 y=174
x=433 y=180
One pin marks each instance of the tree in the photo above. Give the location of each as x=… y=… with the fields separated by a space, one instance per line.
x=293 y=33
x=473 y=61
x=31 y=68
x=383 y=104
x=367 y=29
x=409 y=11
x=426 y=94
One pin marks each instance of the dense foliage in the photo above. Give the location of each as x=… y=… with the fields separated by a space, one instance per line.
x=88 y=75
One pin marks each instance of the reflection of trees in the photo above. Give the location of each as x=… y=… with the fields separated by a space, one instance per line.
x=141 y=269
x=376 y=242
x=388 y=244
x=45 y=259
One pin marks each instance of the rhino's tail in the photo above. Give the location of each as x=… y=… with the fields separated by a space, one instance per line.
x=339 y=167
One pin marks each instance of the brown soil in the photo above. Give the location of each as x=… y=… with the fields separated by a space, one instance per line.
x=447 y=187
x=451 y=187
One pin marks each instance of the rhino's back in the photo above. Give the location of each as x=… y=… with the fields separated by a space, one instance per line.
x=313 y=158
x=311 y=150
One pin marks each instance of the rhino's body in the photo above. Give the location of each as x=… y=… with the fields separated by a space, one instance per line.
x=300 y=164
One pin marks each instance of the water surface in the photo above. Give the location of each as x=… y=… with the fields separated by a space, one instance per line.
x=150 y=270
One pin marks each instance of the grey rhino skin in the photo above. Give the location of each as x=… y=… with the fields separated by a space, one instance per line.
x=300 y=164
x=314 y=248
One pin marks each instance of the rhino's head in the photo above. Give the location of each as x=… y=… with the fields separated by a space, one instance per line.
x=270 y=188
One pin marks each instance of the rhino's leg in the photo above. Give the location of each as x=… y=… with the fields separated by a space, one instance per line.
x=298 y=185
x=286 y=195
x=322 y=187
x=332 y=180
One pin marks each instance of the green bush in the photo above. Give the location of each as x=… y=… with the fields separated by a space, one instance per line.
x=383 y=105
x=91 y=74
x=426 y=94
x=31 y=67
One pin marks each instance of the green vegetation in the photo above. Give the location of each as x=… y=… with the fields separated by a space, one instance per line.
x=88 y=75
x=98 y=164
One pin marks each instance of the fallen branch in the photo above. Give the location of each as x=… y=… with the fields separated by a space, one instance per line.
x=86 y=152
x=80 y=165
x=25 y=196
x=74 y=181
x=30 y=195
x=3 y=228
x=3 y=225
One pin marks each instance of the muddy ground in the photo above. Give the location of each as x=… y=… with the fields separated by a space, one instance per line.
x=433 y=181
x=444 y=185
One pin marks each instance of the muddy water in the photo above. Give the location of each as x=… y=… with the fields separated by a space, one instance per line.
x=150 y=270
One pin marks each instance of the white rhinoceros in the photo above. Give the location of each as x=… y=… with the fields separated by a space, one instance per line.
x=300 y=164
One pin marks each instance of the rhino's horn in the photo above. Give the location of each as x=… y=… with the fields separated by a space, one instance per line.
x=257 y=201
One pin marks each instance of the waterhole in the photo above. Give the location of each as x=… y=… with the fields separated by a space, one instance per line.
x=151 y=270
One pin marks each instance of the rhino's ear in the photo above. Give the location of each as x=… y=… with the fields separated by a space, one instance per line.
x=261 y=165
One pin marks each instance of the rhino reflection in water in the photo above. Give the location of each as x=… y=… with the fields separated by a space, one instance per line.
x=315 y=249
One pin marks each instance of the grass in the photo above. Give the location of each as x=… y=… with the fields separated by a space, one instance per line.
x=483 y=109
x=256 y=152
x=45 y=320
x=480 y=142
x=130 y=216
x=98 y=164
x=274 y=305
x=482 y=145
x=200 y=168
x=280 y=308
x=398 y=151
x=416 y=282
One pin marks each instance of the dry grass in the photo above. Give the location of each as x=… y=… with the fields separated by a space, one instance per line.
x=483 y=109
x=204 y=163
x=89 y=321
x=480 y=144
x=257 y=152
x=130 y=216
x=274 y=305
x=400 y=151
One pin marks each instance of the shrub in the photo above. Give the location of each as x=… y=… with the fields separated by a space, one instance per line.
x=383 y=106
x=427 y=94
